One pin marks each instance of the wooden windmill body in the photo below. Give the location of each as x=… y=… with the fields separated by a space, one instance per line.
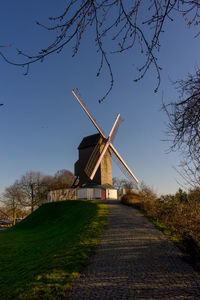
x=86 y=149
x=95 y=151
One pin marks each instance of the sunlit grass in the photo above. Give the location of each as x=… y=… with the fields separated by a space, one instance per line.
x=166 y=231
x=40 y=256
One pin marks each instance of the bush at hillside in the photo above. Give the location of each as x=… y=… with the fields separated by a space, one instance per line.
x=131 y=198
x=180 y=213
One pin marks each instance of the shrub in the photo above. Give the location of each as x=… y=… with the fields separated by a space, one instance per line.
x=131 y=198
x=179 y=212
x=148 y=200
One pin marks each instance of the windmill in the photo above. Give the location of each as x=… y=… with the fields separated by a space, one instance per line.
x=95 y=151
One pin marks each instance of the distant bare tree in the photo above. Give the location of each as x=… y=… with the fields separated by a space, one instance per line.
x=62 y=179
x=126 y=23
x=33 y=190
x=12 y=199
x=47 y=182
x=147 y=193
x=121 y=184
x=3 y=213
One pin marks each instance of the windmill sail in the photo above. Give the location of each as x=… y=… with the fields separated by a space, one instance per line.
x=116 y=129
x=105 y=148
x=122 y=164
x=77 y=95
x=123 y=168
x=96 y=156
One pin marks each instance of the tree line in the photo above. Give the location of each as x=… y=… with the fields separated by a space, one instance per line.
x=30 y=191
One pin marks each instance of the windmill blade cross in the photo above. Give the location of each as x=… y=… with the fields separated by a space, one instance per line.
x=105 y=148
x=77 y=96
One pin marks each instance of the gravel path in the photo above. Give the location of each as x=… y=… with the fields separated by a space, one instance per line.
x=134 y=261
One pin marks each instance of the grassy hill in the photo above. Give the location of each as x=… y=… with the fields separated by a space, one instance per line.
x=40 y=256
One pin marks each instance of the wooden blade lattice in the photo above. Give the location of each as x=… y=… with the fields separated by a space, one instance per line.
x=94 y=157
x=123 y=168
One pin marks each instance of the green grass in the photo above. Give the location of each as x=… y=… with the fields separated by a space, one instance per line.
x=166 y=231
x=40 y=256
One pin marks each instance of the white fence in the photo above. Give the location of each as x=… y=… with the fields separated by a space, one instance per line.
x=82 y=193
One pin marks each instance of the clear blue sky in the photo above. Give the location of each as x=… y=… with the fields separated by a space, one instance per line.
x=41 y=124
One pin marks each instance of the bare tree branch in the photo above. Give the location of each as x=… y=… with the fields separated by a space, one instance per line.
x=125 y=23
x=184 y=128
x=189 y=172
x=184 y=117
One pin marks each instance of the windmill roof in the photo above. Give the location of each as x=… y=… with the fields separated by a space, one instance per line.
x=89 y=141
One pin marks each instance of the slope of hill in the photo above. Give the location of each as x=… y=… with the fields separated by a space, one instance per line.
x=40 y=256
